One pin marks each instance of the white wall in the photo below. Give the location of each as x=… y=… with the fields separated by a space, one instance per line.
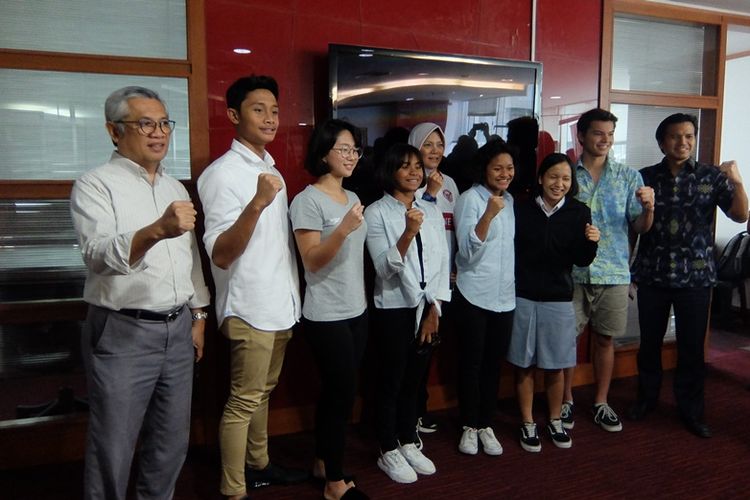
x=734 y=135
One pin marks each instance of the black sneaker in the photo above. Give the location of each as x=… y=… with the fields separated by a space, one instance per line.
x=274 y=474
x=529 y=438
x=606 y=417
x=566 y=415
x=426 y=424
x=558 y=435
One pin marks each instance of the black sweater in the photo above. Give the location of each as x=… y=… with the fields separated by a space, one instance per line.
x=548 y=247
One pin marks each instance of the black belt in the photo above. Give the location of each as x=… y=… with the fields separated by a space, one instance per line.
x=152 y=316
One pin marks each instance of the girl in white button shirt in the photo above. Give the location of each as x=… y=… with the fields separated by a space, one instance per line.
x=406 y=240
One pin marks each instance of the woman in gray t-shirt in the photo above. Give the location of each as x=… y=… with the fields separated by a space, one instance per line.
x=330 y=232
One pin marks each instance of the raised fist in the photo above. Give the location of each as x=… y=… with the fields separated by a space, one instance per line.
x=353 y=218
x=645 y=196
x=494 y=205
x=434 y=182
x=177 y=219
x=268 y=186
x=592 y=233
x=414 y=218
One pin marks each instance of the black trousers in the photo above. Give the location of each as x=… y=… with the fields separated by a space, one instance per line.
x=402 y=364
x=691 y=319
x=338 y=347
x=483 y=338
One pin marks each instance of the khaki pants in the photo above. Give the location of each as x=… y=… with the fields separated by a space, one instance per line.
x=256 y=358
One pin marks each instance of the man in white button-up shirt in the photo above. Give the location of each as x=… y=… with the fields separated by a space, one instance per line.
x=257 y=288
x=135 y=228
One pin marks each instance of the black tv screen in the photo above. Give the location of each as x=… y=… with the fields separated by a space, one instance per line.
x=381 y=89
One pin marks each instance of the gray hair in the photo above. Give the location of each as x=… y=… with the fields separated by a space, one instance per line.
x=116 y=106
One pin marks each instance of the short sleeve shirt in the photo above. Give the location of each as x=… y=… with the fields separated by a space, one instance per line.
x=614 y=207
x=678 y=251
x=336 y=291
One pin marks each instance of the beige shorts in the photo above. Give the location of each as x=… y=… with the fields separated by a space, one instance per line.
x=605 y=307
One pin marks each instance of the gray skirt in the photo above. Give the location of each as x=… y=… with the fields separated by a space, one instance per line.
x=544 y=334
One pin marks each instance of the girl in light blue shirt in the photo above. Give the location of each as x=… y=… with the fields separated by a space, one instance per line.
x=406 y=241
x=485 y=299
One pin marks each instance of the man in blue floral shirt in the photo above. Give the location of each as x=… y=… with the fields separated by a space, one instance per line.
x=675 y=265
x=619 y=202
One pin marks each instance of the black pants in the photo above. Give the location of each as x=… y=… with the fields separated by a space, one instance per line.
x=483 y=338
x=422 y=393
x=338 y=347
x=691 y=319
x=402 y=366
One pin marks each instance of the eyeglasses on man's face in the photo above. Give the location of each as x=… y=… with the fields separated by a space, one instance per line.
x=147 y=126
x=348 y=152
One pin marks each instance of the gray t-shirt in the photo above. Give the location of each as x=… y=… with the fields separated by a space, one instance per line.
x=337 y=291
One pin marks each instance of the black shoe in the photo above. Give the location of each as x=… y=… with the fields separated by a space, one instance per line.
x=697 y=427
x=274 y=474
x=640 y=409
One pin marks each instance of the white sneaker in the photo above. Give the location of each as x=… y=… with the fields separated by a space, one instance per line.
x=468 y=443
x=393 y=463
x=420 y=463
x=490 y=444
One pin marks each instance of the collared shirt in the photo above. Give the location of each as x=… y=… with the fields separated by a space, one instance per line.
x=486 y=268
x=678 y=251
x=397 y=280
x=261 y=287
x=549 y=211
x=614 y=206
x=109 y=204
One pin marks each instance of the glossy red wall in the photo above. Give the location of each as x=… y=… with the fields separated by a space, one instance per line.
x=289 y=40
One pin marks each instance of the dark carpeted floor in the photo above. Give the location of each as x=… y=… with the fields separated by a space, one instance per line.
x=655 y=458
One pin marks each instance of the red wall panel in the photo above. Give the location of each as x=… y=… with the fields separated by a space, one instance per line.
x=290 y=41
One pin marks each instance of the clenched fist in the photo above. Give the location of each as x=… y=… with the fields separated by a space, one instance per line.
x=732 y=171
x=592 y=233
x=268 y=186
x=645 y=196
x=414 y=218
x=434 y=182
x=494 y=205
x=177 y=219
x=353 y=219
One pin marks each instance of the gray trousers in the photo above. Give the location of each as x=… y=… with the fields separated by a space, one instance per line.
x=140 y=376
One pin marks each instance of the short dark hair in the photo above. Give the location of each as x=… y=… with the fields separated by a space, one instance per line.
x=237 y=92
x=550 y=161
x=392 y=160
x=594 y=115
x=661 y=130
x=486 y=154
x=322 y=140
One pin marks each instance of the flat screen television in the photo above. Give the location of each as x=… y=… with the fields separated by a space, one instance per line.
x=381 y=89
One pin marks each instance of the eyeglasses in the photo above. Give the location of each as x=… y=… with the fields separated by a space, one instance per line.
x=346 y=151
x=147 y=126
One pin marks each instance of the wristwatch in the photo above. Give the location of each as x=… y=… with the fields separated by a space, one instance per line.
x=200 y=315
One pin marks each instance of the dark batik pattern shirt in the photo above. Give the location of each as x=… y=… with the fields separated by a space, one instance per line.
x=678 y=251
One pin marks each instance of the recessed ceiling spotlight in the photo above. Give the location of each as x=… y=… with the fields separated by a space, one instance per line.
x=242 y=51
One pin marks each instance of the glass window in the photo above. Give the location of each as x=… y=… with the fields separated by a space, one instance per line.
x=663 y=56
x=107 y=27
x=635 y=143
x=39 y=253
x=53 y=122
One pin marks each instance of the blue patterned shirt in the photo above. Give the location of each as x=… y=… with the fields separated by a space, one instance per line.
x=614 y=207
x=678 y=251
